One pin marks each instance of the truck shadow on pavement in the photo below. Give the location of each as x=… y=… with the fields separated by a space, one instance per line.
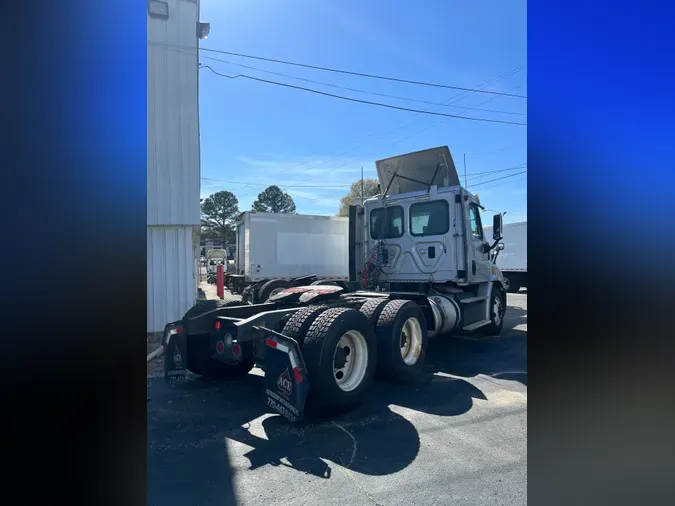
x=504 y=357
x=189 y=422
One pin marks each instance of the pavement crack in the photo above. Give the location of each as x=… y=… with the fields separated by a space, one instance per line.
x=346 y=468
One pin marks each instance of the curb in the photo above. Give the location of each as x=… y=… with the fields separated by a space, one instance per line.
x=158 y=352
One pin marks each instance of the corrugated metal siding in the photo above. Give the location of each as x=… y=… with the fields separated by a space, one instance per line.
x=171 y=275
x=173 y=117
x=173 y=164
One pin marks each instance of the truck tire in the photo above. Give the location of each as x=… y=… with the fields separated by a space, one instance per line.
x=300 y=321
x=373 y=308
x=497 y=312
x=340 y=352
x=270 y=287
x=514 y=284
x=208 y=368
x=402 y=340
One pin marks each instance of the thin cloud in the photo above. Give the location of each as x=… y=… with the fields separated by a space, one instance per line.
x=314 y=198
x=315 y=183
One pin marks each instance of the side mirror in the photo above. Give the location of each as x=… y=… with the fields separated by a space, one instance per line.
x=500 y=246
x=497 y=227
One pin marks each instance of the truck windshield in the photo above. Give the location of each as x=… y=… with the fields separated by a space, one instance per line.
x=386 y=222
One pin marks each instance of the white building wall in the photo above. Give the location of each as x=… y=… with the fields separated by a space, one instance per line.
x=173 y=163
x=171 y=275
x=173 y=116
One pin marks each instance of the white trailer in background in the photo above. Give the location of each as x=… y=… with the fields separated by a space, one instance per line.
x=512 y=260
x=274 y=250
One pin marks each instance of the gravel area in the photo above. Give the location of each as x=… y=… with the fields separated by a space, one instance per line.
x=154 y=341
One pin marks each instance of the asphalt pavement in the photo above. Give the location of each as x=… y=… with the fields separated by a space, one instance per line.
x=457 y=436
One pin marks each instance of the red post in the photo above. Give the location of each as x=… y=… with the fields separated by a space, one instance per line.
x=220 y=278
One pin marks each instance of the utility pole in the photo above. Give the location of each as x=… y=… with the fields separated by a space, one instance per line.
x=362 y=197
x=465 y=185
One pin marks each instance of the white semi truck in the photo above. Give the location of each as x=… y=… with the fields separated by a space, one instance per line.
x=512 y=261
x=419 y=266
x=215 y=257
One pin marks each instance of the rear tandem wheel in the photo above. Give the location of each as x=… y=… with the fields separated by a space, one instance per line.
x=299 y=322
x=402 y=340
x=340 y=351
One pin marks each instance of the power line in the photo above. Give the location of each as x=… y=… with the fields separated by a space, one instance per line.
x=416 y=111
x=369 y=140
x=474 y=174
x=499 y=178
x=247 y=183
x=390 y=144
x=445 y=104
x=404 y=123
x=361 y=74
x=368 y=102
x=359 y=90
x=373 y=152
x=522 y=178
x=486 y=173
x=411 y=135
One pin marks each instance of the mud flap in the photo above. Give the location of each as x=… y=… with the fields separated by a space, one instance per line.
x=286 y=382
x=175 y=355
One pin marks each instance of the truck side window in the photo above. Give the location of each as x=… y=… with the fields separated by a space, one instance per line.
x=430 y=218
x=476 y=225
x=386 y=222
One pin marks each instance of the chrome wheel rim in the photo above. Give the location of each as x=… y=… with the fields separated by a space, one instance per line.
x=350 y=360
x=411 y=341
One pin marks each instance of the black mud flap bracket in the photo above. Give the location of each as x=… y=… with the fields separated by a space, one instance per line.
x=286 y=382
x=175 y=352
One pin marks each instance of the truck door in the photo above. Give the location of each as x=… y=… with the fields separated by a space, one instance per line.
x=429 y=227
x=479 y=260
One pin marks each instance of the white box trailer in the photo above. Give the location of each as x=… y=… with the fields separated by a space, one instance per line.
x=512 y=260
x=284 y=247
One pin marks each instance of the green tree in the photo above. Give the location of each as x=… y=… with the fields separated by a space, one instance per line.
x=219 y=211
x=274 y=200
x=370 y=189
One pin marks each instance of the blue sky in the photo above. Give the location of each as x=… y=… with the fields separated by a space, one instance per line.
x=254 y=134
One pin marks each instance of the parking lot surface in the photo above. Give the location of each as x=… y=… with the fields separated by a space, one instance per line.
x=456 y=436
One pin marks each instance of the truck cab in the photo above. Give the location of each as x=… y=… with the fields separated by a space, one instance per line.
x=424 y=233
x=215 y=257
x=428 y=228
x=433 y=236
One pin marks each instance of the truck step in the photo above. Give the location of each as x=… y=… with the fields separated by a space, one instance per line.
x=476 y=325
x=473 y=299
